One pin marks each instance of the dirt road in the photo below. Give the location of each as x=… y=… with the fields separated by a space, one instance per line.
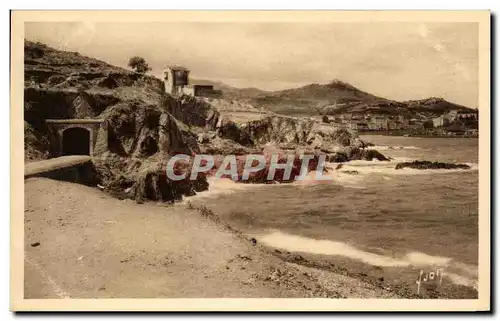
x=82 y=243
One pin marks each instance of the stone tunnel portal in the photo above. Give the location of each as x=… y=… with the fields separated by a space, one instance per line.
x=74 y=136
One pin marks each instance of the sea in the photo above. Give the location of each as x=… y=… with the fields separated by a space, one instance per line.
x=400 y=226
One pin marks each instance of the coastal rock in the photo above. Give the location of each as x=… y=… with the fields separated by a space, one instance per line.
x=144 y=126
x=146 y=179
x=355 y=153
x=261 y=176
x=289 y=132
x=431 y=165
x=332 y=139
x=224 y=146
x=228 y=129
x=351 y=172
x=337 y=158
x=36 y=144
x=278 y=130
x=192 y=111
x=366 y=144
x=141 y=131
x=371 y=154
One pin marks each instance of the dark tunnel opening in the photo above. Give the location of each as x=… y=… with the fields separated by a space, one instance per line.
x=76 y=141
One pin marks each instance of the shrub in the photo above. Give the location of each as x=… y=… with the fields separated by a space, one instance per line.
x=139 y=64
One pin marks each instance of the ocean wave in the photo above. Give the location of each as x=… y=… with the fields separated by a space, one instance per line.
x=332 y=177
x=462 y=274
x=221 y=186
x=350 y=175
x=389 y=168
x=388 y=147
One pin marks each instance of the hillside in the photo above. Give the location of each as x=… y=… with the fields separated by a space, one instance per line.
x=334 y=98
x=145 y=126
x=433 y=105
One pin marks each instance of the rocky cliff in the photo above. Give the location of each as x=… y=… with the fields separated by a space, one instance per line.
x=146 y=126
x=303 y=135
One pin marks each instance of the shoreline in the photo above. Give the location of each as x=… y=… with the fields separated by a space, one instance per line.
x=304 y=275
x=391 y=134
x=357 y=279
x=96 y=246
x=402 y=281
x=375 y=276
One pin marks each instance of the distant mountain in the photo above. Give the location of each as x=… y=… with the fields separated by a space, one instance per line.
x=333 y=98
x=317 y=99
x=234 y=92
x=434 y=105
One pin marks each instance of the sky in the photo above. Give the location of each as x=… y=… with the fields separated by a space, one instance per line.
x=395 y=60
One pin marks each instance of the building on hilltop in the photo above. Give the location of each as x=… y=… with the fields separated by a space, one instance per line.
x=200 y=88
x=176 y=78
x=177 y=83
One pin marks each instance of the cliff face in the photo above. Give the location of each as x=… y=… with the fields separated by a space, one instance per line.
x=290 y=132
x=142 y=129
x=63 y=85
x=192 y=111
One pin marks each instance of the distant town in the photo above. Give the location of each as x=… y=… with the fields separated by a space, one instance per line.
x=461 y=123
x=452 y=123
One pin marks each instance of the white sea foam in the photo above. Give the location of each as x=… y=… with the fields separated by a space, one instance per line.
x=221 y=186
x=460 y=279
x=331 y=177
x=467 y=269
x=350 y=174
x=389 y=168
x=296 y=243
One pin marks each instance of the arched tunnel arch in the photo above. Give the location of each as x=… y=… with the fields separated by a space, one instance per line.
x=76 y=141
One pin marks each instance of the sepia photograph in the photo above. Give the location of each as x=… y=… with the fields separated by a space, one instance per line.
x=250 y=155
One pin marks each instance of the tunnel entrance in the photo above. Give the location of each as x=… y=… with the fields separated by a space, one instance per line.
x=77 y=136
x=76 y=141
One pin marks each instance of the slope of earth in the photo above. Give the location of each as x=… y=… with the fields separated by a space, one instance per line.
x=434 y=106
x=145 y=126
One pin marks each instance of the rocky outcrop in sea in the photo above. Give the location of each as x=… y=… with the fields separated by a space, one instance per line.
x=430 y=165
